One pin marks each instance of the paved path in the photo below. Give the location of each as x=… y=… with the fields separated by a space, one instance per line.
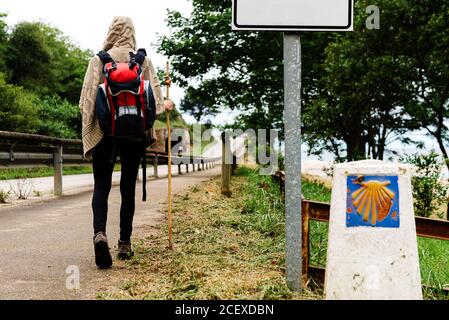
x=39 y=241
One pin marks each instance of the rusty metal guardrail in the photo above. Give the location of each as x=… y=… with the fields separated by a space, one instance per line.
x=22 y=150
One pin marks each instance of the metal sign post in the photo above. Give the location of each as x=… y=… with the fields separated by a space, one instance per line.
x=292 y=16
x=292 y=123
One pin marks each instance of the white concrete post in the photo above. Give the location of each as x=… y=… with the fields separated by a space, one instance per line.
x=372 y=251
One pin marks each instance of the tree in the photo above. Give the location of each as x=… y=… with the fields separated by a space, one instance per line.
x=198 y=103
x=40 y=58
x=393 y=79
x=29 y=58
x=230 y=70
x=222 y=69
x=359 y=107
x=361 y=90
x=3 y=42
x=424 y=35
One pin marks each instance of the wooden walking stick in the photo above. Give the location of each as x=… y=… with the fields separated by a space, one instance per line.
x=167 y=114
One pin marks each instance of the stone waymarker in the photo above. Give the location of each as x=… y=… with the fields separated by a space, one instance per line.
x=373 y=250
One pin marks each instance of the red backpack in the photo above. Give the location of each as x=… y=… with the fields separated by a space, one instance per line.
x=125 y=106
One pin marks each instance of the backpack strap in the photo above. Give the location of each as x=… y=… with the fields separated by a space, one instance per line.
x=105 y=57
x=138 y=58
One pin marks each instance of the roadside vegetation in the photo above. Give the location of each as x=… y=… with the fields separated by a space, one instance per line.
x=224 y=248
x=233 y=248
x=28 y=173
x=429 y=192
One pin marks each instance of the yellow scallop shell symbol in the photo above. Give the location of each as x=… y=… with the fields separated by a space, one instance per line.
x=373 y=200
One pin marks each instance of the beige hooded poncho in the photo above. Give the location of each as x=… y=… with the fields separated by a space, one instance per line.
x=119 y=42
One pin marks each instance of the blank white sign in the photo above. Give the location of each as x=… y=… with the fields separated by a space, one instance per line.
x=300 y=15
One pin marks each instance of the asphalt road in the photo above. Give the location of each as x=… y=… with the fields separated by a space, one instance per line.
x=41 y=241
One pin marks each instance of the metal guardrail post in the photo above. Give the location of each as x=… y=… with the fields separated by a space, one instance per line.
x=193 y=164
x=226 y=168
x=179 y=169
x=187 y=168
x=57 y=165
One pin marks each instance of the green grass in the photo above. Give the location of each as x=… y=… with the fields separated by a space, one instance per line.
x=315 y=191
x=21 y=173
x=263 y=204
x=434 y=264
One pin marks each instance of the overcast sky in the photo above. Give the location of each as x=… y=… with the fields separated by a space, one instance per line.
x=87 y=22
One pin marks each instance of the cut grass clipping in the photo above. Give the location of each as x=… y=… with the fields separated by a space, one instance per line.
x=224 y=248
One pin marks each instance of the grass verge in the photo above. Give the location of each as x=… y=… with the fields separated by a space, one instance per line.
x=224 y=248
x=21 y=173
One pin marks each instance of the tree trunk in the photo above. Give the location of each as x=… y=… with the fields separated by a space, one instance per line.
x=446 y=161
x=440 y=141
x=382 y=142
x=356 y=148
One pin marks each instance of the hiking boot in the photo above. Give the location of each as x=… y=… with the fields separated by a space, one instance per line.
x=103 y=257
x=124 y=250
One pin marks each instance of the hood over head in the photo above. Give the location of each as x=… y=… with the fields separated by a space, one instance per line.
x=121 y=34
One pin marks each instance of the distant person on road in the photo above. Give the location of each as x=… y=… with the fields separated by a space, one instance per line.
x=103 y=148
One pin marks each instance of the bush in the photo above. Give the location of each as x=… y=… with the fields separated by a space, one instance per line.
x=58 y=118
x=428 y=190
x=17 y=108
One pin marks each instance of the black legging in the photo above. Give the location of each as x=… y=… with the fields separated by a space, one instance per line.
x=130 y=157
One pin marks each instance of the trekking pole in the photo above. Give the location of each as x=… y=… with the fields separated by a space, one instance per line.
x=167 y=114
